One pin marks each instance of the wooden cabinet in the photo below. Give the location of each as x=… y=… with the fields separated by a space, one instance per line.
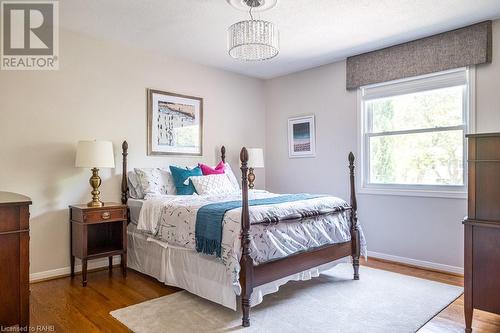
x=98 y=232
x=14 y=260
x=482 y=227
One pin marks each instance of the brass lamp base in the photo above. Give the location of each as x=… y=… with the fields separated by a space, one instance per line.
x=95 y=182
x=251 y=178
x=95 y=204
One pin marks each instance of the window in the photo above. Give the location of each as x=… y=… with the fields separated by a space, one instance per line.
x=413 y=134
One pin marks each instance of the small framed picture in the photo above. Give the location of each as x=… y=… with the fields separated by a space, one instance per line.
x=175 y=124
x=301 y=137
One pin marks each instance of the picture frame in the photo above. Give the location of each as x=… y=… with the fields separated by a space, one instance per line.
x=301 y=137
x=175 y=124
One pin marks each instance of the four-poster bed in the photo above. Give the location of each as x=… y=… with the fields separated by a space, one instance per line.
x=251 y=275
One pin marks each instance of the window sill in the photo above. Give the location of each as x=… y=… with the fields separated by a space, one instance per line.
x=414 y=193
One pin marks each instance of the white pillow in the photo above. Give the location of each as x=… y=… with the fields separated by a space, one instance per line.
x=212 y=184
x=134 y=188
x=230 y=175
x=155 y=181
x=167 y=175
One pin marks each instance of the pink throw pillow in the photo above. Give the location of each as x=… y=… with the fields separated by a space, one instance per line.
x=207 y=170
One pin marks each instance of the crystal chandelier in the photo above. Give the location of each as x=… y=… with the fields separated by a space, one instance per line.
x=253 y=40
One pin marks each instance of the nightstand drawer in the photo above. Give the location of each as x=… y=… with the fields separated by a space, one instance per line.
x=99 y=215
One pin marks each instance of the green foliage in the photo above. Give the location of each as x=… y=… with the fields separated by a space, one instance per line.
x=417 y=158
x=381 y=154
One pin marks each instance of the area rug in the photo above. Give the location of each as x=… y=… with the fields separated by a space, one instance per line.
x=380 y=302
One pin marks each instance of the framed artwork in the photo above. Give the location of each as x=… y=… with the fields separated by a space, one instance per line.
x=301 y=137
x=175 y=124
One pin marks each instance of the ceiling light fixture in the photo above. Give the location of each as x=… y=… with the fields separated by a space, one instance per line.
x=253 y=40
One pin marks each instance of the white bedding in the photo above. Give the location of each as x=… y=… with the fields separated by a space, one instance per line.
x=135 y=206
x=172 y=219
x=199 y=274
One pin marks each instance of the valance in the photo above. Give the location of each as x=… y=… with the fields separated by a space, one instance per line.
x=471 y=45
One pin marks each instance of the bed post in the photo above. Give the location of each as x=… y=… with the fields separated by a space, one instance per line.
x=354 y=220
x=246 y=263
x=223 y=154
x=124 y=172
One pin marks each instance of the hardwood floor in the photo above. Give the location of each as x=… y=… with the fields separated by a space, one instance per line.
x=451 y=319
x=63 y=305
x=69 y=307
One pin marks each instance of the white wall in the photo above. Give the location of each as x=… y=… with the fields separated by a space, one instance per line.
x=422 y=229
x=100 y=92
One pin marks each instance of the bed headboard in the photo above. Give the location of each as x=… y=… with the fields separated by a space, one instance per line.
x=124 y=185
x=124 y=172
x=223 y=154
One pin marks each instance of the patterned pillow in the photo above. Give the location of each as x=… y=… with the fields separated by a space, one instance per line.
x=232 y=178
x=167 y=176
x=181 y=179
x=212 y=184
x=155 y=181
x=134 y=187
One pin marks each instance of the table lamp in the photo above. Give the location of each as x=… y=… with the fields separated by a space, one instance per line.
x=95 y=155
x=255 y=160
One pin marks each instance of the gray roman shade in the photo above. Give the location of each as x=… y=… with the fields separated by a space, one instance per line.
x=466 y=46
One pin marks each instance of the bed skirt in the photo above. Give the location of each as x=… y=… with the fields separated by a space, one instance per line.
x=199 y=274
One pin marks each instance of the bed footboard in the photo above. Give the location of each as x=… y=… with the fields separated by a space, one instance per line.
x=354 y=220
x=246 y=262
x=252 y=276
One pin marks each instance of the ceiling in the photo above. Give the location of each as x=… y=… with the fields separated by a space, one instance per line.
x=312 y=32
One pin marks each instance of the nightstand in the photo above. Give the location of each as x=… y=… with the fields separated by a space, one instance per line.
x=98 y=232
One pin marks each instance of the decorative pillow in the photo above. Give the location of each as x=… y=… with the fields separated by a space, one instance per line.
x=167 y=176
x=155 y=181
x=232 y=178
x=134 y=187
x=212 y=184
x=183 y=184
x=207 y=170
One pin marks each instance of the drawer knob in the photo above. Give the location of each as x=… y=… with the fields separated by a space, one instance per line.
x=106 y=215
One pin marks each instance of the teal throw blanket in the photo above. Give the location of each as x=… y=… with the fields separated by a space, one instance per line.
x=208 y=231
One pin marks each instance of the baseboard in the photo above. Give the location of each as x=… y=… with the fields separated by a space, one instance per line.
x=65 y=271
x=418 y=263
x=96 y=264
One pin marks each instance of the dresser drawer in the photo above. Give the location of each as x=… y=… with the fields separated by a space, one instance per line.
x=14 y=261
x=100 y=215
x=14 y=218
x=10 y=282
x=487 y=190
x=486 y=258
x=487 y=148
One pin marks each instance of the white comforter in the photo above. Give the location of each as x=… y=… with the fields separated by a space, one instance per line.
x=172 y=219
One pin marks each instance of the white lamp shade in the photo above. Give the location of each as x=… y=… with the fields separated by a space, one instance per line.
x=255 y=158
x=95 y=154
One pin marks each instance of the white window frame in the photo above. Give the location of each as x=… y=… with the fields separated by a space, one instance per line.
x=410 y=85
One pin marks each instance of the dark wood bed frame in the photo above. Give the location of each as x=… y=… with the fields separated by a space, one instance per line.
x=252 y=276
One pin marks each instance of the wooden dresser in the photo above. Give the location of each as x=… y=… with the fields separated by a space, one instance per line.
x=14 y=260
x=482 y=227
